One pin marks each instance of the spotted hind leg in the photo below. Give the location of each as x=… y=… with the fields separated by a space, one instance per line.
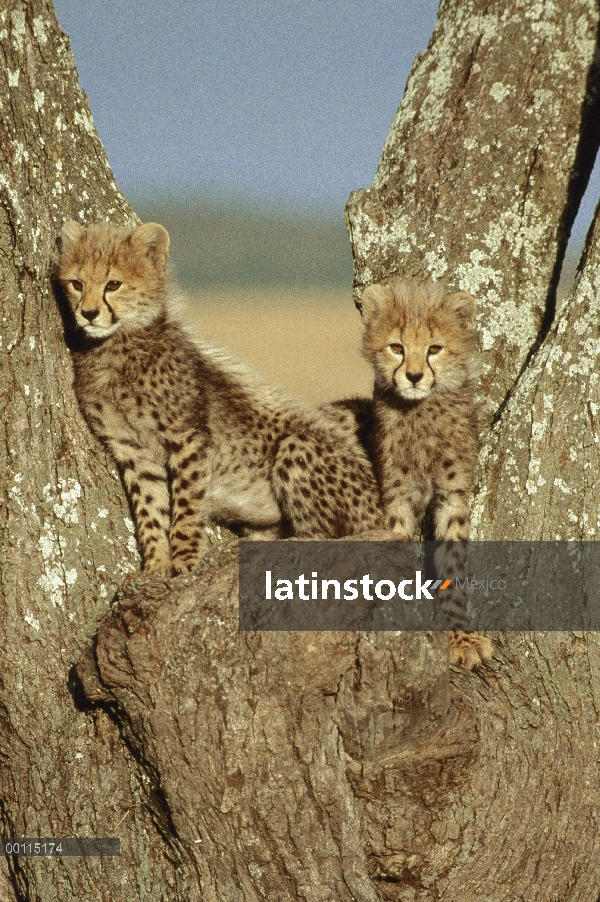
x=324 y=488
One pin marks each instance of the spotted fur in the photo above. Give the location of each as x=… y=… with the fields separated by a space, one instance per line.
x=419 y=340
x=198 y=438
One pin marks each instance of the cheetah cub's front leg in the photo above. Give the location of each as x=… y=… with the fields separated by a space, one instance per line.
x=189 y=468
x=142 y=467
x=420 y=342
x=452 y=517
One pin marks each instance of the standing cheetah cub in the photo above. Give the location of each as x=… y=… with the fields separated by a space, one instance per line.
x=420 y=342
x=197 y=438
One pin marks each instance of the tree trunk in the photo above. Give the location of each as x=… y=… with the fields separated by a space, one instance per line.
x=67 y=537
x=485 y=165
x=246 y=766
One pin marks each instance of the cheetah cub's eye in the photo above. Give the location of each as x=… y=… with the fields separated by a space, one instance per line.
x=398 y=350
x=77 y=285
x=433 y=350
x=113 y=285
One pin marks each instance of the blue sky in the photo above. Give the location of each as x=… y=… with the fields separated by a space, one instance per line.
x=278 y=102
x=287 y=101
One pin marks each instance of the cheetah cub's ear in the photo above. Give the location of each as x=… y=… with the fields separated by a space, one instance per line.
x=70 y=234
x=374 y=299
x=153 y=240
x=463 y=307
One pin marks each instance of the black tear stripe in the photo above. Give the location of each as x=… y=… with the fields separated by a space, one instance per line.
x=111 y=311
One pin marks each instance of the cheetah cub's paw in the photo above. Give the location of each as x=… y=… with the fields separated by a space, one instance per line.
x=467 y=650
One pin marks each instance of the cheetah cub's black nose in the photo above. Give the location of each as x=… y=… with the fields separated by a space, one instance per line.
x=90 y=314
x=414 y=377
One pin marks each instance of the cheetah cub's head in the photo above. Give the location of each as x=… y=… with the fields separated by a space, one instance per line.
x=113 y=278
x=418 y=337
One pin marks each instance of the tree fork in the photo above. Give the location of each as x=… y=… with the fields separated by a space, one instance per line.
x=299 y=765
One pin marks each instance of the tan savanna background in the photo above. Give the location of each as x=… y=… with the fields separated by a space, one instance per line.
x=274 y=288
x=305 y=340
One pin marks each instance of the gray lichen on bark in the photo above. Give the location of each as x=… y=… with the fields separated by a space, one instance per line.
x=67 y=536
x=539 y=467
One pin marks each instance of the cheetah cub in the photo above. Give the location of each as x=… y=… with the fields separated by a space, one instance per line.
x=197 y=438
x=420 y=342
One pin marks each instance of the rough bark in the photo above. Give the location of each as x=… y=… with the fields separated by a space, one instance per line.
x=539 y=466
x=257 y=739
x=305 y=766
x=66 y=534
x=320 y=766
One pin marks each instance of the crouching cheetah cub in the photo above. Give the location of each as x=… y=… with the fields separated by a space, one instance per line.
x=420 y=342
x=197 y=438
